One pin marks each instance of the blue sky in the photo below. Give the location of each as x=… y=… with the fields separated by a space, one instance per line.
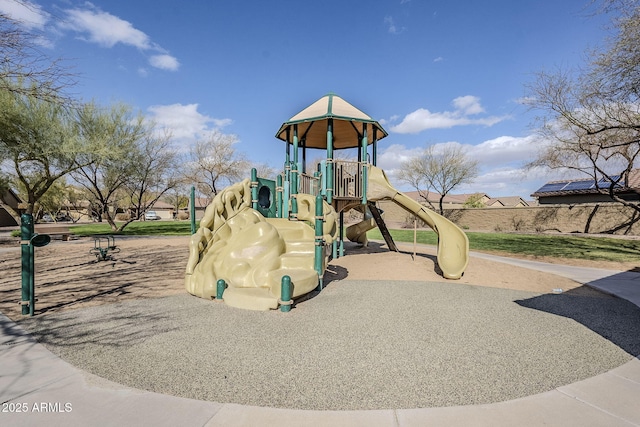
x=432 y=72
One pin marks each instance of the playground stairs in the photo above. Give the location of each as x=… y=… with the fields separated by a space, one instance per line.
x=377 y=216
x=297 y=263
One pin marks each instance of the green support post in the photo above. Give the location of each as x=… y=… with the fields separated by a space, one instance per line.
x=329 y=170
x=192 y=210
x=365 y=168
x=221 y=285
x=254 y=188
x=279 y=190
x=341 y=248
x=375 y=147
x=32 y=280
x=295 y=145
x=28 y=241
x=319 y=240
x=285 y=294
x=26 y=232
x=294 y=192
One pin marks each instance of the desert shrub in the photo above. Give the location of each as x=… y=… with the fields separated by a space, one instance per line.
x=517 y=223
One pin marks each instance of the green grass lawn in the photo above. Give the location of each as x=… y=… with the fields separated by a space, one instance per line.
x=588 y=248
x=558 y=246
x=136 y=228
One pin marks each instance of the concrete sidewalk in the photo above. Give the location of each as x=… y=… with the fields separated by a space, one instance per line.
x=37 y=387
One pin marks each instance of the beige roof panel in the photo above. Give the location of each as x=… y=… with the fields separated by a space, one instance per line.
x=349 y=124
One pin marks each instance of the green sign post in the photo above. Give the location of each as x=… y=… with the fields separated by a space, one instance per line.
x=29 y=240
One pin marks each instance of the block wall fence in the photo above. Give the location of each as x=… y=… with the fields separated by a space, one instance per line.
x=587 y=218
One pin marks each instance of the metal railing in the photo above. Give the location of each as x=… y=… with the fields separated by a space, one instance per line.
x=308 y=184
x=347 y=179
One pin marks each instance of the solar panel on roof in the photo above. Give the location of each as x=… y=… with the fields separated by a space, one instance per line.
x=605 y=183
x=551 y=187
x=579 y=185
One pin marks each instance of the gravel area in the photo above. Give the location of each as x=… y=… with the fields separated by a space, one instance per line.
x=356 y=345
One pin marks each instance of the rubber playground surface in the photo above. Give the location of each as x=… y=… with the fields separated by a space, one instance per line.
x=386 y=332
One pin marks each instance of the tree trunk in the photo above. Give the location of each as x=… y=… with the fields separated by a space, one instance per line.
x=591 y=215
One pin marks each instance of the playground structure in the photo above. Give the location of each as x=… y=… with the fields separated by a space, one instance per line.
x=262 y=243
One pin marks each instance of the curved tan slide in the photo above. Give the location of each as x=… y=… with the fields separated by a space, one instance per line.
x=453 y=244
x=357 y=233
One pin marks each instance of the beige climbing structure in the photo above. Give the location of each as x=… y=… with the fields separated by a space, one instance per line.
x=252 y=253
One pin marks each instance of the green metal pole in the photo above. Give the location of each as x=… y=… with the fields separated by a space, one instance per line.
x=279 y=197
x=26 y=232
x=375 y=146
x=341 y=248
x=32 y=281
x=192 y=210
x=254 y=188
x=319 y=241
x=316 y=187
x=364 y=164
x=295 y=145
x=330 y=161
x=285 y=294
x=288 y=148
x=221 y=285
x=294 y=192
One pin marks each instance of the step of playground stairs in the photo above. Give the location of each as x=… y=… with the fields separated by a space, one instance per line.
x=297 y=260
x=304 y=280
x=250 y=298
x=300 y=246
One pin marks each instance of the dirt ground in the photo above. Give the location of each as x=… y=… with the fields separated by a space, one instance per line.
x=68 y=276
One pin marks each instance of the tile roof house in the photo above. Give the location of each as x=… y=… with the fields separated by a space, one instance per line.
x=507 y=202
x=456 y=201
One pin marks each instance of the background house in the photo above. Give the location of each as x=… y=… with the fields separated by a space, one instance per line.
x=457 y=201
x=579 y=191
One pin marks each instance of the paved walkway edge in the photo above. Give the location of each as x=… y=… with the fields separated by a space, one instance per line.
x=37 y=387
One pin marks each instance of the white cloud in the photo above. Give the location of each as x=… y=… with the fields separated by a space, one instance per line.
x=505 y=150
x=466 y=108
x=468 y=105
x=501 y=162
x=164 y=62
x=392 y=28
x=391 y=159
x=107 y=30
x=185 y=122
x=28 y=14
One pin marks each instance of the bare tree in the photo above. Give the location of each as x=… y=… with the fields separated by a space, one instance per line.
x=215 y=163
x=114 y=133
x=155 y=174
x=413 y=172
x=441 y=168
x=591 y=117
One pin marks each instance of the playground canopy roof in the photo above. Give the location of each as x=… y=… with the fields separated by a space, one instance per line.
x=348 y=122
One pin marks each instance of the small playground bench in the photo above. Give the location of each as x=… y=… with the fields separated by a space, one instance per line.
x=63 y=232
